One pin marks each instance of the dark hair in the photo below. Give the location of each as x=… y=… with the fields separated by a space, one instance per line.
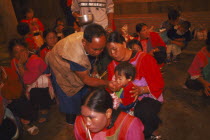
x=185 y=24
x=67 y=31
x=115 y=37
x=139 y=27
x=47 y=31
x=94 y=30
x=15 y=42
x=59 y=19
x=127 y=69
x=160 y=55
x=27 y=10
x=208 y=41
x=173 y=14
x=23 y=28
x=133 y=42
x=100 y=100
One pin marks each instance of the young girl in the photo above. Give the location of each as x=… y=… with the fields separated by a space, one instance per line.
x=125 y=75
x=51 y=39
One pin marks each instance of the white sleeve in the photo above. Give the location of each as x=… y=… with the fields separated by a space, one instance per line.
x=75 y=6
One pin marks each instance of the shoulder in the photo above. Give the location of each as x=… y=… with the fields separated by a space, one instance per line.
x=35 y=59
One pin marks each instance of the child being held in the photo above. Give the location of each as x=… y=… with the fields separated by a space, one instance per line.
x=178 y=39
x=124 y=75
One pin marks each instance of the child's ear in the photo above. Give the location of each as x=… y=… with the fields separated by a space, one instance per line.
x=109 y=113
x=130 y=78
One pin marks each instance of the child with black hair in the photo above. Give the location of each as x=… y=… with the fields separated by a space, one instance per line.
x=59 y=25
x=125 y=75
x=24 y=30
x=178 y=40
x=134 y=45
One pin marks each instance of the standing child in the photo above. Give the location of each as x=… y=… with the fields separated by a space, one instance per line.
x=178 y=40
x=124 y=75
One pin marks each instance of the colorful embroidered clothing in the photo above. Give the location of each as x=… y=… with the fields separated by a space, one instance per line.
x=126 y=127
x=43 y=53
x=152 y=42
x=146 y=67
x=34 y=67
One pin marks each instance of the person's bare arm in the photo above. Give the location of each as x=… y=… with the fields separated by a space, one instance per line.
x=95 y=82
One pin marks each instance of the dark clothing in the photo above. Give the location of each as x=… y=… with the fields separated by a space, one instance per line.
x=147 y=110
x=172 y=34
x=40 y=98
x=7 y=129
x=23 y=108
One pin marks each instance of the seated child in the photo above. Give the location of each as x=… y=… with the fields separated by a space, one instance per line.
x=50 y=39
x=124 y=75
x=178 y=39
x=59 y=25
x=159 y=53
x=134 y=45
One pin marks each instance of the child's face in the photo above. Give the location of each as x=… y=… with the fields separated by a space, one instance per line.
x=51 y=39
x=136 y=47
x=121 y=79
x=29 y=15
x=60 y=23
x=144 y=33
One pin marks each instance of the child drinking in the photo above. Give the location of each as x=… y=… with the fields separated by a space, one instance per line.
x=125 y=75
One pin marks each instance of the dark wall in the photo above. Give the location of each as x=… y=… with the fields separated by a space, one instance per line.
x=46 y=10
x=139 y=7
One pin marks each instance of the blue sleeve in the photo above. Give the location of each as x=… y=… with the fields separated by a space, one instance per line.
x=76 y=67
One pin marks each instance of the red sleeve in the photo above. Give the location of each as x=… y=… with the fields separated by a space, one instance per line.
x=151 y=72
x=43 y=53
x=34 y=68
x=157 y=41
x=41 y=26
x=197 y=64
x=127 y=99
